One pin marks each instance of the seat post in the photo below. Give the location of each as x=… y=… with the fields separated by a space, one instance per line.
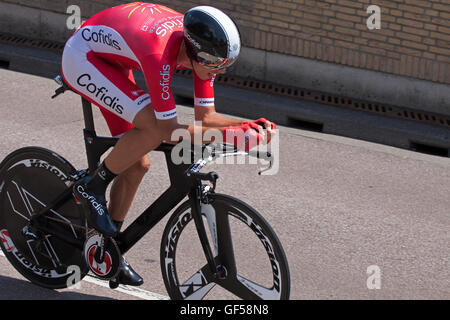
x=87 y=114
x=95 y=146
x=90 y=136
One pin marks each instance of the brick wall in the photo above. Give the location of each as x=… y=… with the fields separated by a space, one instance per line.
x=414 y=39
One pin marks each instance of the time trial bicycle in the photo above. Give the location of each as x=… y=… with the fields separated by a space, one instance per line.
x=44 y=231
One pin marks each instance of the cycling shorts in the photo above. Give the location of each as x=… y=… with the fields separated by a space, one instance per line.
x=109 y=86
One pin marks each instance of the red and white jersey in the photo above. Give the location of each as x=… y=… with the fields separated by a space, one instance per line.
x=145 y=37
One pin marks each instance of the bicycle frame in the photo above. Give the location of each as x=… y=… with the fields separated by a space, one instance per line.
x=181 y=185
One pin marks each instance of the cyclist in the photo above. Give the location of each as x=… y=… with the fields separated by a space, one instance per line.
x=97 y=63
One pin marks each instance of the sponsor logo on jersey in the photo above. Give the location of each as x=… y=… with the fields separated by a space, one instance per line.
x=100 y=92
x=206 y=102
x=166 y=25
x=145 y=98
x=165 y=82
x=169 y=114
x=100 y=37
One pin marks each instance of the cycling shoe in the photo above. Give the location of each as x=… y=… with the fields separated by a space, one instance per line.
x=98 y=216
x=126 y=276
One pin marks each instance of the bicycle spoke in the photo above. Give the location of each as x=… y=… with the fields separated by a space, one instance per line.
x=242 y=289
x=263 y=292
x=249 y=290
x=198 y=285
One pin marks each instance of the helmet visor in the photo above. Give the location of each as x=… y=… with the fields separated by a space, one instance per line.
x=212 y=62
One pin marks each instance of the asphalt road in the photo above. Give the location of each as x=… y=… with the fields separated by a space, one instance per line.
x=338 y=205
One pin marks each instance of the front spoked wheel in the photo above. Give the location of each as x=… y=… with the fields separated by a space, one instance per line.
x=251 y=260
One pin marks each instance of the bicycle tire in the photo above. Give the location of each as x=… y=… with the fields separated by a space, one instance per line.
x=224 y=213
x=30 y=178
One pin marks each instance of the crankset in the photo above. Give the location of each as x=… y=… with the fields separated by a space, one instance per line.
x=102 y=256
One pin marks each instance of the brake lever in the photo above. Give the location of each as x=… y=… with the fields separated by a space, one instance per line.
x=267 y=169
x=269 y=157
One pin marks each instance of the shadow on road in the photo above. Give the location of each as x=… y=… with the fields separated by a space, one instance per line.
x=16 y=289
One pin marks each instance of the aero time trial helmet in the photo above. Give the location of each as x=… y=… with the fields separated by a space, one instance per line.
x=212 y=38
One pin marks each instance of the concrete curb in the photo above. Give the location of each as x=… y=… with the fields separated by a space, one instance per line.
x=285 y=111
x=344 y=81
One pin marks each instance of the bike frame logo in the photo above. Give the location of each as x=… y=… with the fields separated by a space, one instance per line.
x=181 y=153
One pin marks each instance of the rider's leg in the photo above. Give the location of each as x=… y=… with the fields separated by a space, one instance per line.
x=124 y=187
x=123 y=190
x=136 y=142
x=132 y=146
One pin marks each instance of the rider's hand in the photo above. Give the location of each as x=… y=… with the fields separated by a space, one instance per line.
x=244 y=137
x=263 y=123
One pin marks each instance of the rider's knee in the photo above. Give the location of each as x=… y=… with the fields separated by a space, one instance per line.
x=144 y=164
x=159 y=129
x=146 y=122
x=145 y=119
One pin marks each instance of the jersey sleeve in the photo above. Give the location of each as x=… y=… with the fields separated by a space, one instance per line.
x=158 y=73
x=203 y=91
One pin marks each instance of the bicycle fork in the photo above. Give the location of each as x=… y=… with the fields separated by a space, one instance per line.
x=195 y=197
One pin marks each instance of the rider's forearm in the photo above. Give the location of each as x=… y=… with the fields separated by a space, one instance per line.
x=196 y=134
x=137 y=142
x=214 y=119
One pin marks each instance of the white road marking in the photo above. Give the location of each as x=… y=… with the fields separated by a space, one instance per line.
x=132 y=291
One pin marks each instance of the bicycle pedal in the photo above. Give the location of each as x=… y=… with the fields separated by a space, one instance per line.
x=113 y=283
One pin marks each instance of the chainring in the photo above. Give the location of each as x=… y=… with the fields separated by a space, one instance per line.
x=110 y=266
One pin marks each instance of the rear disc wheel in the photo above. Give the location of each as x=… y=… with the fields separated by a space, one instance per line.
x=30 y=179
